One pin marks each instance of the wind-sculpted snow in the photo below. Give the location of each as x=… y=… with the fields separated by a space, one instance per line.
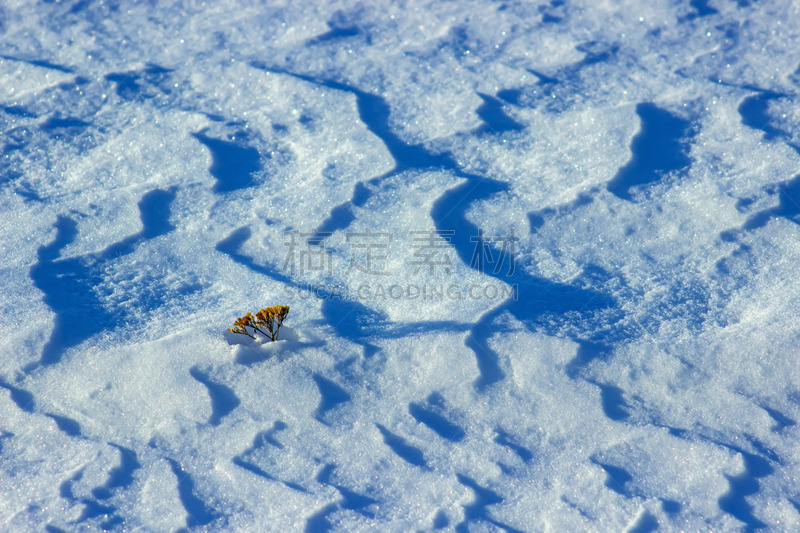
x=754 y=112
x=702 y=7
x=249 y=458
x=487 y=359
x=658 y=149
x=97 y=505
x=540 y=260
x=69 y=283
x=476 y=511
x=496 y=121
x=617 y=479
x=536 y=301
x=25 y=401
x=197 y=512
x=374 y=112
x=743 y=485
x=437 y=423
x=223 y=398
x=350 y=500
x=332 y=395
x=91 y=509
x=402 y=448
x=39 y=63
x=781 y=420
x=613 y=401
x=232 y=164
x=121 y=476
x=505 y=439
x=66 y=424
x=136 y=84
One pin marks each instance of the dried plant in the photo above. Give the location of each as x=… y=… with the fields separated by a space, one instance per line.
x=268 y=322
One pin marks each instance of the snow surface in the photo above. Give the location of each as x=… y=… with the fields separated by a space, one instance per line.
x=636 y=163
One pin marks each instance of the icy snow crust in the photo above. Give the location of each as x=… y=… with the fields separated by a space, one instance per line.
x=155 y=157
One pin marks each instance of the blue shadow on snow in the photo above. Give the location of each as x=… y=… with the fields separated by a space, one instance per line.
x=400 y=446
x=223 y=398
x=658 y=149
x=197 y=513
x=436 y=422
x=331 y=396
x=350 y=500
x=477 y=509
x=232 y=163
x=68 y=284
x=754 y=112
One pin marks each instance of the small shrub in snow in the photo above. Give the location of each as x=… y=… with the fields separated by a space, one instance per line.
x=268 y=322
